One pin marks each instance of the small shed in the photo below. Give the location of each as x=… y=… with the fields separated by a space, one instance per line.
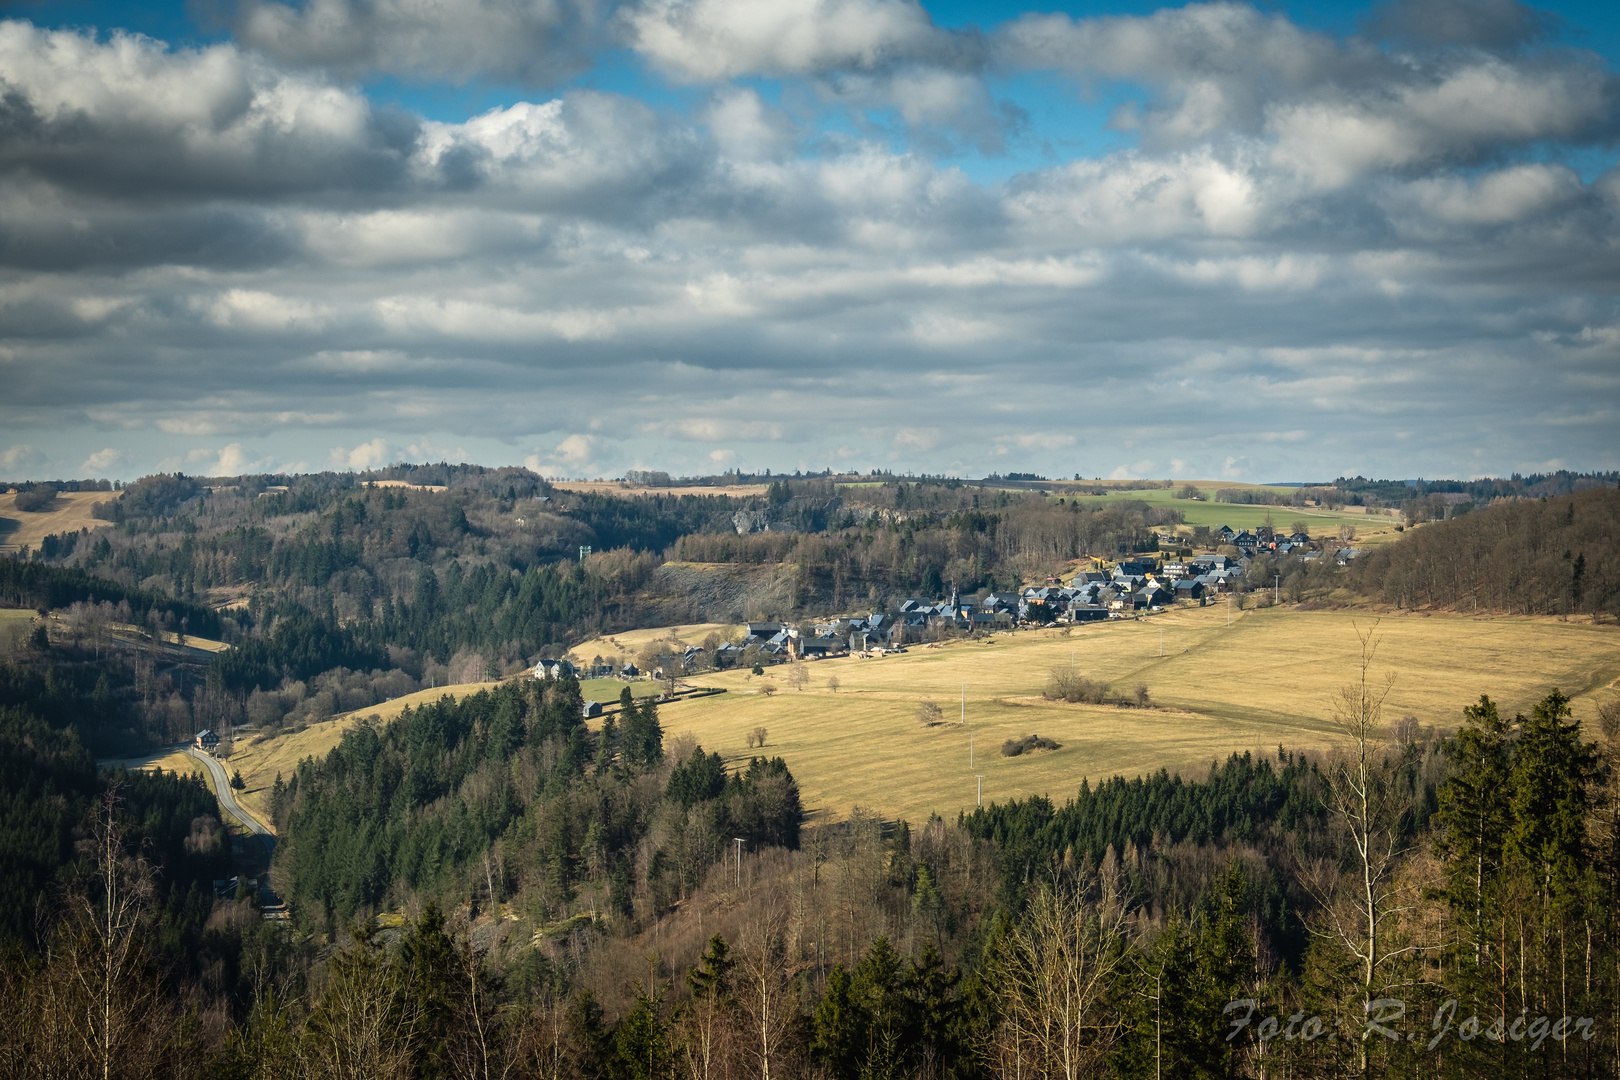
x=591 y=709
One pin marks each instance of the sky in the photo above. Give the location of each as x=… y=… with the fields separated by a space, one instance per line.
x=1283 y=242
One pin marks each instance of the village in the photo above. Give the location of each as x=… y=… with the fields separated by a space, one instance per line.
x=1131 y=586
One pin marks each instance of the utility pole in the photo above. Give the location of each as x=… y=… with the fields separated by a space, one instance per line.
x=981 y=789
x=740 y=843
x=970 y=749
x=1277 y=597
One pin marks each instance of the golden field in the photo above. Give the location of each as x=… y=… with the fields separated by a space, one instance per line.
x=621 y=647
x=1268 y=679
x=69 y=513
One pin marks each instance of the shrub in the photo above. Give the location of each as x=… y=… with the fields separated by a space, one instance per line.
x=770 y=689
x=1142 y=698
x=1071 y=686
x=929 y=714
x=1028 y=744
x=40 y=498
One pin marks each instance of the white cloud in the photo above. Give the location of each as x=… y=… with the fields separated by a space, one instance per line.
x=921 y=440
x=131 y=117
x=575 y=455
x=233 y=459
x=1500 y=197
x=533 y=41
x=712 y=429
x=16 y=461
x=208 y=247
x=1043 y=440
x=706 y=40
x=104 y=461
x=368 y=455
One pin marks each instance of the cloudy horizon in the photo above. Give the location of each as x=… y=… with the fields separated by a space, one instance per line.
x=1211 y=241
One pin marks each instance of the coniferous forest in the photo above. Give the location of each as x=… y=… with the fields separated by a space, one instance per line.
x=491 y=886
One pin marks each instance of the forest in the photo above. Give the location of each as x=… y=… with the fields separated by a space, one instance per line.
x=487 y=887
x=1553 y=556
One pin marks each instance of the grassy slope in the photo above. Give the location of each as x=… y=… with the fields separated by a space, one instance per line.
x=259 y=762
x=1370 y=527
x=69 y=513
x=1270 y=678
x=625 y=646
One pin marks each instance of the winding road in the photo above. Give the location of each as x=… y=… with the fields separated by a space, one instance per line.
x=227 y=800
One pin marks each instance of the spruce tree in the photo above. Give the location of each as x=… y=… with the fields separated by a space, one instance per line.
x=1474 y=815
x=631 y=727
x=1553 y=772
x=651 y=733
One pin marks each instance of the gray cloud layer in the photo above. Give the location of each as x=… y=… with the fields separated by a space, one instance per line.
x=1326 y=254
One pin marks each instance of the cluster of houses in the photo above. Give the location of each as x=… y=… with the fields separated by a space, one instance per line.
x=1133 y=585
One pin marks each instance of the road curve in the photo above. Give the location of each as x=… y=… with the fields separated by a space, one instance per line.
x=227 y=799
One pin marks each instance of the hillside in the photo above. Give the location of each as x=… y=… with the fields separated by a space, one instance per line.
x=1528 y=556
x=1268 y=680
x=69 y=512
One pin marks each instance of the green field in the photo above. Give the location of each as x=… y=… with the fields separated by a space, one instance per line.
x=608 y=690
x=1373 y=527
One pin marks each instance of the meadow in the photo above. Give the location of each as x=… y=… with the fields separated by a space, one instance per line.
x=621 y=647
x=1268 y=680
x=70 y=512
x=1372 y=526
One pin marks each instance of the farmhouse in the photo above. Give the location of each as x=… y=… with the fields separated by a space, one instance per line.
x=555 y=669
x=207 y=741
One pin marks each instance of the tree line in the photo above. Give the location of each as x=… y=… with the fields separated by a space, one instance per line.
x=1552 y=556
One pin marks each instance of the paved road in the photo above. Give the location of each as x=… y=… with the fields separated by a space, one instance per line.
x=227 y=799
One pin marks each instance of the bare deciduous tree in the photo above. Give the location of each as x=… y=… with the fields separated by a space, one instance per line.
x=108 y=950
x=361 y=1029
x=1359 y=907
x=1054 y=975
x=765 y=998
